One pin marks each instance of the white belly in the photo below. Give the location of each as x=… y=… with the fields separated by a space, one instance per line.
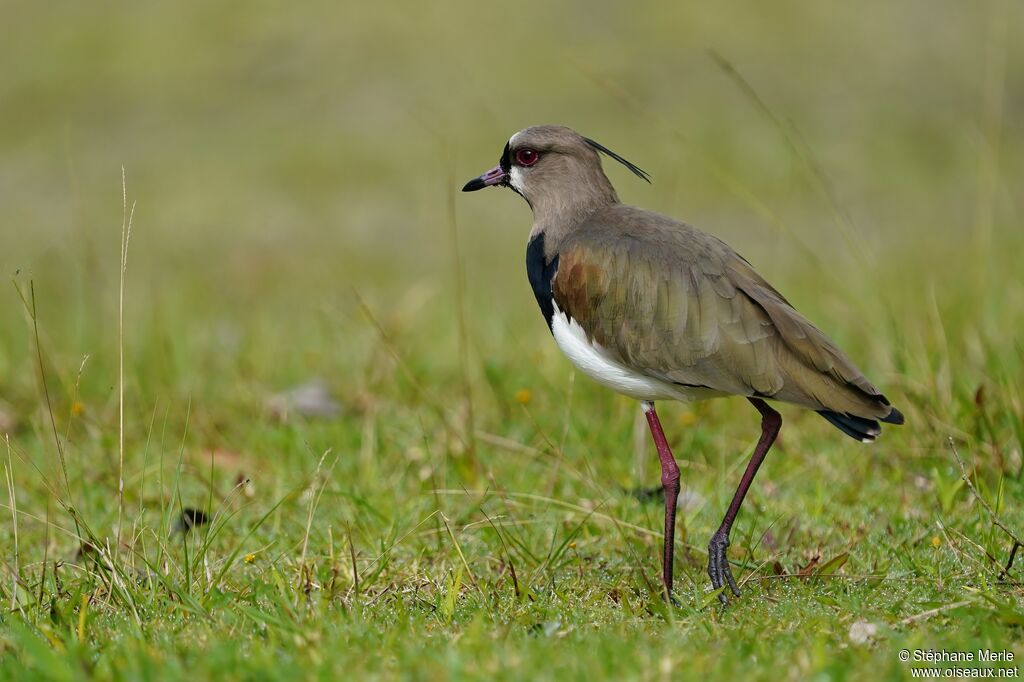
x=597 y=364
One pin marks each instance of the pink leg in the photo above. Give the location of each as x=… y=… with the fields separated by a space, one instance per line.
x=670 y=483
x=718 y=563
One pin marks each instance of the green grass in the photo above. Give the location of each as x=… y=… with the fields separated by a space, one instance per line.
x=467 y=513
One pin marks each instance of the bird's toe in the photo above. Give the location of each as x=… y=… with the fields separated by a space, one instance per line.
x=718 y=567
x=732 y=581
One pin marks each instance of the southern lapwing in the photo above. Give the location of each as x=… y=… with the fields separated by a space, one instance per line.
x=658 y=310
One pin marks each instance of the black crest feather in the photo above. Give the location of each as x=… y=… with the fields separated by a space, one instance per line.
x=637 y=171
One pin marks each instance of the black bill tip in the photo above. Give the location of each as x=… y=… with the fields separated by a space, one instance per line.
x=495 y=176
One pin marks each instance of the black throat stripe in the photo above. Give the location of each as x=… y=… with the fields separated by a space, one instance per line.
x=540 y=274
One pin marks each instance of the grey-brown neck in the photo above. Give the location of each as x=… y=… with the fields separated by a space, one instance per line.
x=562 y=202
x=558 y=211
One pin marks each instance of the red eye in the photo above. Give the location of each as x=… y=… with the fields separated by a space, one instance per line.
x=526 y=157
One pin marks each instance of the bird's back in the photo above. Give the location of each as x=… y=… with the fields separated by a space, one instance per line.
x=680 y=305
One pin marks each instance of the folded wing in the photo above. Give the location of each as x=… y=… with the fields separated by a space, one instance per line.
x=682 y=306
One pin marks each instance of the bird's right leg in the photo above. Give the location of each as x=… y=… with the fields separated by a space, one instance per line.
x=718 y=562
x=670 y=484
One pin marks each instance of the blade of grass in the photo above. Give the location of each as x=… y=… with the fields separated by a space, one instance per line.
x=126 y=233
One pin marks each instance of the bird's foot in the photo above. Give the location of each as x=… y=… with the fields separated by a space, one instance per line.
x=668 y=597
x=718 y=566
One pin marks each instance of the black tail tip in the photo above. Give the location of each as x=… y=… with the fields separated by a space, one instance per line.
x=858 y=428
x=894 y=417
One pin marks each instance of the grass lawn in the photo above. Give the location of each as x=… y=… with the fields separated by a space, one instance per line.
x=332 y=358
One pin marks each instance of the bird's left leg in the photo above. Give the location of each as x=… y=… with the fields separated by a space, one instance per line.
x=670 y=484
x=718 y=563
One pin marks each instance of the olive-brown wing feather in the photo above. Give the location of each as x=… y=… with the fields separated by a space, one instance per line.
x=680 y=305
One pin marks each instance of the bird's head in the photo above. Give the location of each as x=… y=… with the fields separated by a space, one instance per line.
x=552 y=167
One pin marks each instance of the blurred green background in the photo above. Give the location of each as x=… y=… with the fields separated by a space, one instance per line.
x=287 y=161
x=281 y=156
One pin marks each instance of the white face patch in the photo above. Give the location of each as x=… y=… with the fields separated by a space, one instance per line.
x=515 y=175
x=515 y=178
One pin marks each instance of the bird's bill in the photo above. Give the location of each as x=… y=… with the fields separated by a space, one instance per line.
x=495 y=176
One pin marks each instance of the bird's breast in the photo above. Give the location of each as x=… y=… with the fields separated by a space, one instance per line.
x=586 y=354
x=590 y=358
x=540 y=271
